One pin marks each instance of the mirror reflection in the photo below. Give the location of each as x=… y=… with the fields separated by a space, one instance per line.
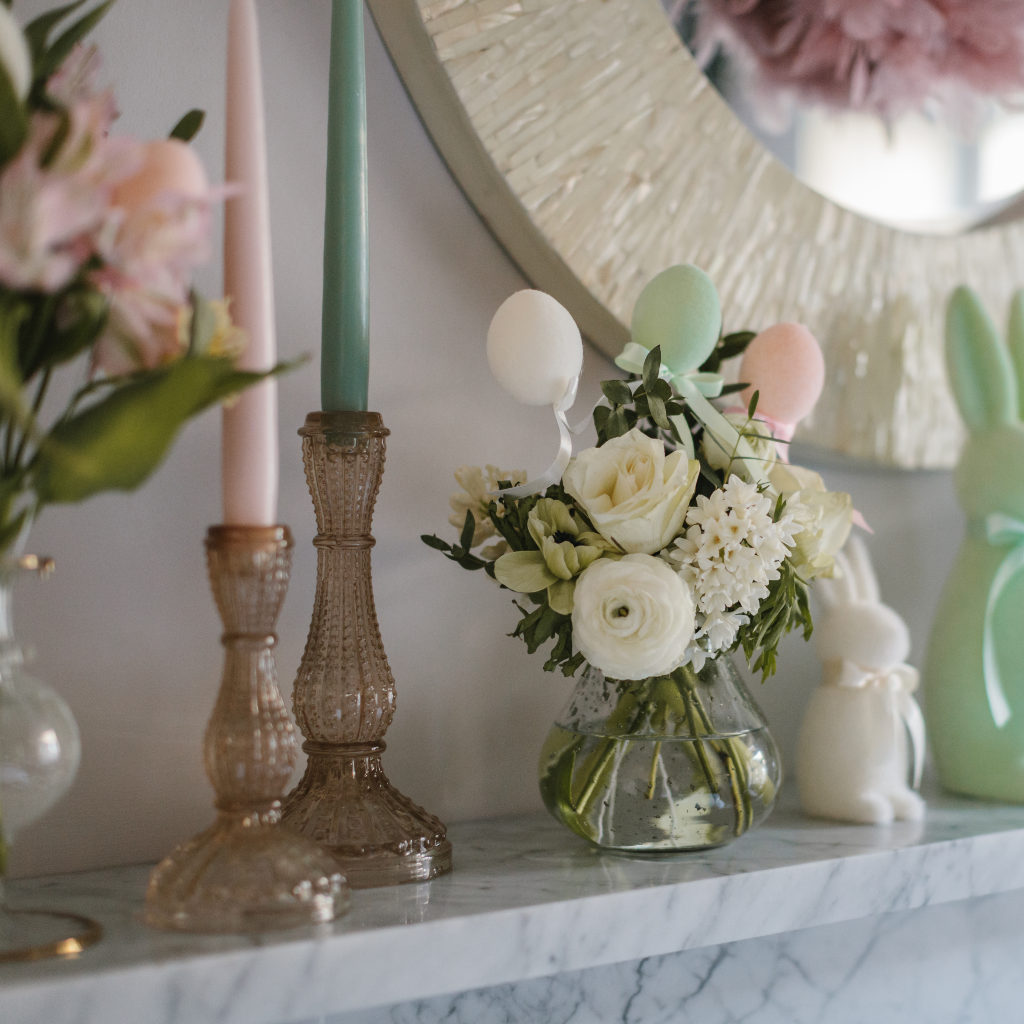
x=911 y=113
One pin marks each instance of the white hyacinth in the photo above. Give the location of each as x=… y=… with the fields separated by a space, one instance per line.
x=730 y=553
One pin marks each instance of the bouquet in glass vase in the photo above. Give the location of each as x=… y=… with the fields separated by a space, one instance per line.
x=682 y=540
x=99 y=236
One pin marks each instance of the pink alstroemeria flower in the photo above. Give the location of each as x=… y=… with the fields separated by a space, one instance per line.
x=53 y=200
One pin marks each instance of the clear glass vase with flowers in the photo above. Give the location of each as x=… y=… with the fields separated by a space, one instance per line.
x=99 y=236
x=683 y=539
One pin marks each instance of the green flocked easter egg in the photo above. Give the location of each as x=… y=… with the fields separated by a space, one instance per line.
x=679 y=310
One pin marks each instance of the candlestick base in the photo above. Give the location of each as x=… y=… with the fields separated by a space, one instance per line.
x=246 y=873
x=344 y=697
x=379 y=836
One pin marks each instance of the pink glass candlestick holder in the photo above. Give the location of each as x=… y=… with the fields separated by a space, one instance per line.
x=344 y=696
x=246 y=873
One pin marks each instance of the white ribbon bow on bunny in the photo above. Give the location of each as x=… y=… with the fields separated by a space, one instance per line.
x=900 y=681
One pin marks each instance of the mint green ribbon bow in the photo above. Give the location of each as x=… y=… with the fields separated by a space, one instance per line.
x=695 y=389
x=1000 y=530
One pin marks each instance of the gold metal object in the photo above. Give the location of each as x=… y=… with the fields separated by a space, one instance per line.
x=38 y=927
x=246 y=873
x=344 y=696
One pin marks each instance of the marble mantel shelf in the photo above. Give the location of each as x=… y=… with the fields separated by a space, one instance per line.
x=526 y=900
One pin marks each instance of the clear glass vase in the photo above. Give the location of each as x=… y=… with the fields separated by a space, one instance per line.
x=39 y=753
x=679 y=762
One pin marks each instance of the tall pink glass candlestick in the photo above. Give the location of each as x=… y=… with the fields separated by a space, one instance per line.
x=249 y=451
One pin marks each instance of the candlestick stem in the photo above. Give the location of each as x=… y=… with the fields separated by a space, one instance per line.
x=246 y=873
x=344 y=696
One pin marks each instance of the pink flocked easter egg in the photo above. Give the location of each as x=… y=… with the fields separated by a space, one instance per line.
x=784 y=363
x=168 y=166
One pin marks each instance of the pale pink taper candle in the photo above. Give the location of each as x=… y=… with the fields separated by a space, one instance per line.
x=250 y=453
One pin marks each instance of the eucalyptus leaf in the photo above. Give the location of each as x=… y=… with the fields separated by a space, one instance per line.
x=435 y=542
x=652 y=368
x=118 y=442
x=752 y=408
x=616 y=425
x=617 y=392
x=658 y=414
x=468 y=529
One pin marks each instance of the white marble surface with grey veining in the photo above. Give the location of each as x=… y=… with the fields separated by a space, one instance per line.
x=527 y=900
x=956 y=963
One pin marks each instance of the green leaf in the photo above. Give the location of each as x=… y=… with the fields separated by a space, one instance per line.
x=37 y=32
x=732 y=389
x=752 y=408
x=13 y=313
x=435 y=542
x=601 y=414
x=118 y=442
x=13 y=119
x=658 y=414
x=617 y=392
x=52 y=59
x=662 y=389
x=652 y=368
x=468 y=529
x=616 y=425
x=188 y=127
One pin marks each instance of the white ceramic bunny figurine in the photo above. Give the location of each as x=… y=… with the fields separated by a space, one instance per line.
x=853 y=761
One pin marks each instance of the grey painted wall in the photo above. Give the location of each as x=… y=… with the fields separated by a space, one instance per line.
x=127 y=630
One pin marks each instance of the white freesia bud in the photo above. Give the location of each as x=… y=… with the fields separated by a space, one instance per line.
x=758 y=436
x=632 y=618
x=14 y=53
x=634 y=495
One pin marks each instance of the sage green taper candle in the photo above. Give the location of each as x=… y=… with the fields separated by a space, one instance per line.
x=345 y=343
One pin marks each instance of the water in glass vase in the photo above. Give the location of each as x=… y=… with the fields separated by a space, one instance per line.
x=681 y=762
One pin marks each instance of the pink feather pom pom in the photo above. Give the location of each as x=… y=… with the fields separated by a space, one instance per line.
x=784 y=363
x=886 y=57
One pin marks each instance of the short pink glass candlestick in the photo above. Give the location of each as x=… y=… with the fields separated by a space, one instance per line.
x=344 y=696
x=246 y=873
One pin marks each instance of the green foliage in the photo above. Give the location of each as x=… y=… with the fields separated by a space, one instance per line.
x=48 y=57
x=13 y=119
x=189 y=126
x=543 y=623
x=650 y=406
x=728 y=347
x=787 y=607
x=460 y=552
x=119 y=440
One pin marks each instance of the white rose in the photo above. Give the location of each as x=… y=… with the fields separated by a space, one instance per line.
x=632 y=618
x=634 y=495
x=14 y=53
x=825 y=518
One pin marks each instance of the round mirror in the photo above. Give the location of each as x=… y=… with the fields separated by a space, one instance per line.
x=921 y=151
x=594 y=146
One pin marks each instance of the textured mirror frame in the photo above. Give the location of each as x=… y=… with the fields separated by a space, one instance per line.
x=598 y=154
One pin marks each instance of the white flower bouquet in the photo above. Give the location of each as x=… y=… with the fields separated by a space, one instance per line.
x=674 y=542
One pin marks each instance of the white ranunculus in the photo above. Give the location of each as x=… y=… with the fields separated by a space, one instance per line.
x=14 y=53
x=632 y=618
x=633 y=493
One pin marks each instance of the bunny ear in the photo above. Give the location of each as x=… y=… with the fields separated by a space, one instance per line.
x=980 y=370
x=862 y=574
x=837 y=590
x=1015 y=341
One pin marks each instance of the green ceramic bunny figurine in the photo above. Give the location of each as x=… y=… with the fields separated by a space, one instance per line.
x=974 y=677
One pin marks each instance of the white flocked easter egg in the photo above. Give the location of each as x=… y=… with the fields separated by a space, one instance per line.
x=534 y=348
